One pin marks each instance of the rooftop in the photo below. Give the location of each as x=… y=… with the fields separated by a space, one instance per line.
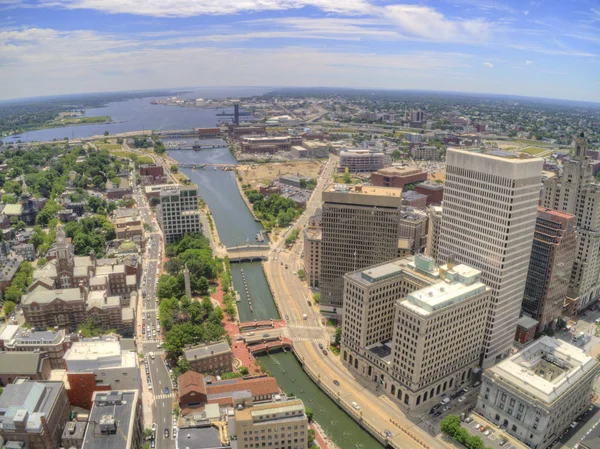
x=199 y=438
x=365 y=190
x=527 y=322
x=545 y=369
x=47 y=296
x=207 y=350
x=262 y=412
x=419 y=265
x=89 y=355
x=26 y=363
x=400 y=171
x=28 y=402
x=112 y=420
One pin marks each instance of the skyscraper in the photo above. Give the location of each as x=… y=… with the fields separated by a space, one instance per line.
x=576 y=193
x=488 y=222
x=178 y=212
x=552 y=256
x=360 y=227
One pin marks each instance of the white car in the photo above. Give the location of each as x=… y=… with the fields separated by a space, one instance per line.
x=461 y=399
x=355 y=405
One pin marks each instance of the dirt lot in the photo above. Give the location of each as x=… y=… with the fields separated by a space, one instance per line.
x=264 y=173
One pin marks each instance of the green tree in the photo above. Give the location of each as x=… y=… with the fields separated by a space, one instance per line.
x=311 y=437
x=244 y=371
x=9 y=307
x=309 y=414
x=301 y=274
x=396 y=155
x=450 y=424
x=317 y=297
x=346 y=178
x=106 y=133
x=338 y=336
x=174 y=168
x=42 y=261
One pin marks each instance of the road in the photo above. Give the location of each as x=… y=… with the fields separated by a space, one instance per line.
x=158 y=377
x=376 y=409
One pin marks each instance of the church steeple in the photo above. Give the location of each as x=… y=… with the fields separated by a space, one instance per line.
x=64 y=258
x=24 y=189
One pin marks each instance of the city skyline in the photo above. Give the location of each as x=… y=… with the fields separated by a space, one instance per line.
x=540 y=49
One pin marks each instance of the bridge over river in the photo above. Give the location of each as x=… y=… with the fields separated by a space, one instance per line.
x=248 y=253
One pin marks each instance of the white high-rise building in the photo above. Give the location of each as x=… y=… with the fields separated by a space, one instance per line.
x=576 y=193
x=178 y=212
x=490 y=208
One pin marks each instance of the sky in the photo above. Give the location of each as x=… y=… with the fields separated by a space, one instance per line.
x=540 y=48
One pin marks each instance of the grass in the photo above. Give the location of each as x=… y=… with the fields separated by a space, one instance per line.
x=108 y=146
x=334 y=349
x=133 y=156
x=332 y=322
x=531 y=142
x=533 y=150
x=79 y=120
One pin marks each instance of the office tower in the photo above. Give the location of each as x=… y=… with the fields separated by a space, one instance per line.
x=416 y=115
x=359 y=229
x=575 y=193
x=434 y=223
x=488 y=222
x=414 y=328
x=536 y=394
x=312 y=249
x=178 y=212
x=552 y=256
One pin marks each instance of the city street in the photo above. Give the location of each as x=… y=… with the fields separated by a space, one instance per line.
x=161 y=401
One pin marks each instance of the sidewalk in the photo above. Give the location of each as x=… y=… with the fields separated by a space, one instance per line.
x=238 y=348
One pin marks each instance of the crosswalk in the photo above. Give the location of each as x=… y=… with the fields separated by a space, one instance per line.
x=159 y=352
x=164 y=396
x=300 y=326
x=152 y=340
x=314 y=340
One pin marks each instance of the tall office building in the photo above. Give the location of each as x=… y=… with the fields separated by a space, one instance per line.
x=434 y=223
x=552 y=256
x=360 y=226
x=414 y=329
x=488 y=222
x=576 y=193
x=178 y=212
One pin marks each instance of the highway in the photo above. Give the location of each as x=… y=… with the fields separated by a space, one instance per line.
x=158 y=377
x=376 y=409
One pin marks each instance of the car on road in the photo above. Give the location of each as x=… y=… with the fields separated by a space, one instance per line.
x=153 y=443
x=336 y=383
x=573 y=424
x=153 y=427
x=320 y=345
x=388 y=433
x=166 y=433
x=265 y=335
x=166 y=390
x=287 y=318
x=355 y=405
x=445 y=401
x=152 y=356
x=324 y=352
x=436 y=414
x=149 y=386
x=461 y=399
x=445 y=409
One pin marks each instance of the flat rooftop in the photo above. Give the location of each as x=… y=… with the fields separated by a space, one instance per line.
x=203 y=351
x=365 y=190
x=115 y=412
x=545 y=369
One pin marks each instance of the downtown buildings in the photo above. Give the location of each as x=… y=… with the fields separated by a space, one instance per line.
x=178 y=212
x=414 y=329
x=576 y=193
x=359 y=228
x=488 y=221
x=554 y=250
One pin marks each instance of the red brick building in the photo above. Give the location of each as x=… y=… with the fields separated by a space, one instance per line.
x=525 y=330
x=397 y=177
x=195 y=391
x=152 y=174
x=433 y=191
x=82 y=387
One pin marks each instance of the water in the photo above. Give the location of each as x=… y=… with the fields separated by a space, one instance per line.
x=292 y=379
x=263 y=306
x=138 y=115
x=233 y=220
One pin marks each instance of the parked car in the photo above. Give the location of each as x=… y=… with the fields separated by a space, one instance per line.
x=336 y=383
x=320 y=345
x=478 y=426
x=487 y=432
x=324 y=352
x=468 y=419
x=355 y=405
x=166 y=390
x=461 y=399
x=166 y=433
x=502 y=443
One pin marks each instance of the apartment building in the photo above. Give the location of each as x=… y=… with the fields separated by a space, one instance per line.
x=425 y=153
x=312 y=249
x=536 y=394
x=397 y=177
x=359 y=229
x=99 y=365
x=178 y=212
x=362 y=161
x=552 y=256
x=490 y=208
x=277 y=425
x=434 y=222
x=413 y=328
x=211 y=358
x=55 y=343
x=33 y=414
x=576 y=193
x=116 y=421
x=434 y=192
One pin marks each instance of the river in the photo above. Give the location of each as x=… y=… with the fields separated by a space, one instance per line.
x=235 y=225
x=138 y=115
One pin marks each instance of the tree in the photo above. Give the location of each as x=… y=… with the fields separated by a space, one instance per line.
x=202 y=286
x=311 y=437
x=244 y=371
x=317 y=297
x=338 y=335
x=42 y=261
x=303 y=183
x=301 y=274
x=9 y=307
x=174 y=168
x=106 y=133
x=396 y=155
x=346 y=177
x=450 y=424
x=309 y=414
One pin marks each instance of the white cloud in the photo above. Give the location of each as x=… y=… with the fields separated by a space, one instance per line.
x=427 y=23
x=488 y=64
x=189 y=8
x=528 y=62
x=526 y=13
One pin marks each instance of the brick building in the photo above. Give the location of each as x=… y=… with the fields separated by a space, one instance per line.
x=397 y=177
x=152 y=174
x=211 y=358
x=433 y=190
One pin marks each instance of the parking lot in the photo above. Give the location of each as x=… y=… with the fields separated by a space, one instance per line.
x=492 y=436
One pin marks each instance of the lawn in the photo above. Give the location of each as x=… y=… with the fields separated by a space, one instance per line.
x=133 y=156
x=527 y=142
x=108 y=146
x=533 y=150
x=79 y=120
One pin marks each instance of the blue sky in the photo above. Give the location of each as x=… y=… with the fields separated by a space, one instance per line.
x=544 y=48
